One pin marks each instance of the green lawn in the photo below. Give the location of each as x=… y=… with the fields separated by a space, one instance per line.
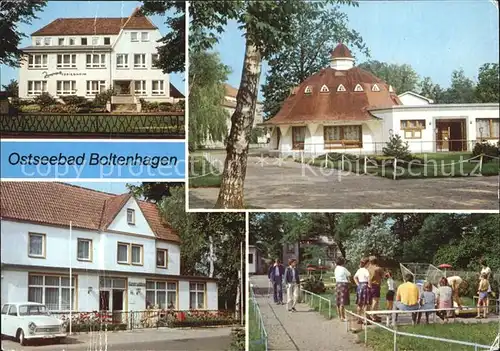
x=483 y=333
x=437 y=165
x=202 y=173
x=255 y=337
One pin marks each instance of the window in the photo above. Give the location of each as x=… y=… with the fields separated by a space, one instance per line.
x=38 y=41
x=46 y=41
x=96 y=61
x=250 y=258
x=72 y=41
x=13 y=310
x=55 y=292
x=391 y=89
x=341 y=88
x=5 y=308
x=324 y=89
x=66 y=61
x=139 y=60
x=308 y=90
x=134 y=36
x=84 y=41
x=342 y=137
x=36 y=245
x=144 y=36
x=84 y=250
x=487 y=128
x=122 y=253
x=37 y=61
x=161 y=294
x=375 y=87
x=60 y=41
x=412 y=129
x=66 y=87
x=162 y=258
x=140 y=87
x=122 y=60
x=130 y=216
x=157 y=88
x=154 y=60
x=196 y=296
x=137 y=254
x=107 y=41
x=298 y=137
x=36 y=87
x=358 y=87
x=95 y=86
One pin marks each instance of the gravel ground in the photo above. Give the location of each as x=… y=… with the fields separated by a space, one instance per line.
x=303 y=330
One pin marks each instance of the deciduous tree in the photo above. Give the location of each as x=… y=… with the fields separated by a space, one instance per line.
x=12 y=88
x=402 y=77
x=12 y=14
x=488 y=86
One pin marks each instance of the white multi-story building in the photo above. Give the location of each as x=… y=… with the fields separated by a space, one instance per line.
x=84 y=56
x=122 y=254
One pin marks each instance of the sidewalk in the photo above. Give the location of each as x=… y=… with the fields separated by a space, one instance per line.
x=303 y=330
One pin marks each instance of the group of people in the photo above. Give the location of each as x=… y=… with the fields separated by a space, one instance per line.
x=279 y=275
x=369 y=279
x=408 y=296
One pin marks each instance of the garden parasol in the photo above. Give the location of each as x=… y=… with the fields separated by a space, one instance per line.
x=445 y=266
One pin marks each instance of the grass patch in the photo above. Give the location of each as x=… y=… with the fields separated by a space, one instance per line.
x=202 y=174
x=482 y=333
x=434 y=165
x=257 y=342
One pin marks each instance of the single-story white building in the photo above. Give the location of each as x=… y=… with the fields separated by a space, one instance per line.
x=343 y=108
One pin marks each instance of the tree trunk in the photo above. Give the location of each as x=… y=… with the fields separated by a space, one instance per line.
x=238 y=303
x=235 y=167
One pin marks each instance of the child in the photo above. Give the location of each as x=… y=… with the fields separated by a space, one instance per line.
x=444 y=298
x=427 y=302
x=482 y=291
x=391 y=291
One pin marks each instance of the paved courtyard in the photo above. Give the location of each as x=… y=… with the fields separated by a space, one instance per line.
x=271 y=184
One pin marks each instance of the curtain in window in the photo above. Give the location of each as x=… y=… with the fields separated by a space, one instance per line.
x=201 y=300
x=172 y=299
x=150 y=298
x=160 y=258
x=35 y=295
x=83 y=249
x=161 y=297
x=122 y=253
x=65 y=298
x=332 y=133
x=495 y=132
x=136 y=254
x=52 y=298
x=36 y=245
x=485 y=125
x=192 y=300
x=352 y=133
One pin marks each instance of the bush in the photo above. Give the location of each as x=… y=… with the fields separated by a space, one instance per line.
x=485 y=148
x=314 y=285
x=44 y=100
x=238 y=339
x=93 y=326
x=29 y=108
x=101 y=99
x=75 y=100
x=395 y=147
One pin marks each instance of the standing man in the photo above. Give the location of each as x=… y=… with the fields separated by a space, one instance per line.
x=407 y=297
x=376 y=276
x=275 y=275
x=292 y=281
x=456 y=282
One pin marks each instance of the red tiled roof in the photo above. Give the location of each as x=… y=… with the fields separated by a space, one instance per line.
x=341 y=51
x=347 y=105
x=175 y=93
x=230 y=90
x=89 y=26
x=54 y=203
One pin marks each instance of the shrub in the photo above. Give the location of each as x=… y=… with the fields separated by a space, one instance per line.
x=102 y=98
x=75 y=100
x=29 y=108
x=44 y=99
x=314 y=285
x=395 y=147
x=485 y=148
x=238 y=339
x=95 y=326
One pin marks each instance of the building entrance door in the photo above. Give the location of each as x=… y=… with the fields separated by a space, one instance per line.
x=122 y=87
x=451 y=135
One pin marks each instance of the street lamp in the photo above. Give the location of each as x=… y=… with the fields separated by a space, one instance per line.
x=481 y=133
x=391 y=133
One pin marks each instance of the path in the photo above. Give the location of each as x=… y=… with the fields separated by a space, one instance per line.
x=270 y=184
x=303 y=330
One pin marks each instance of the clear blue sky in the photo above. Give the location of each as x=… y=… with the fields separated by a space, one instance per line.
x=435 y=37
x=108 y=187
x=68 y=9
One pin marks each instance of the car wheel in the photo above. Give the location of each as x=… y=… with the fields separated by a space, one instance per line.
x=20 y=337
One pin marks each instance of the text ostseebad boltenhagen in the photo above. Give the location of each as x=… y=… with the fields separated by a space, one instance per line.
x=92 y=159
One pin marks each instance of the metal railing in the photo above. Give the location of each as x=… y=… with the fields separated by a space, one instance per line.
x=93 y=125
x=152 y=318
x=322 y=303
x=256 y=321
x=397 y=333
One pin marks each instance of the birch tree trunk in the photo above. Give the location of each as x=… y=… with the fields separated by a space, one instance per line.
x=235 y=166
x=238 y=303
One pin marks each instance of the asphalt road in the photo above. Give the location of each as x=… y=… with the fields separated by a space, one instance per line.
x=206 y=343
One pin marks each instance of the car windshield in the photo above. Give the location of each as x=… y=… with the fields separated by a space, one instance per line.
x=33 y=310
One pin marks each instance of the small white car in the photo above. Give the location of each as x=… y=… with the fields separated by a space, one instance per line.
x=26 y=321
